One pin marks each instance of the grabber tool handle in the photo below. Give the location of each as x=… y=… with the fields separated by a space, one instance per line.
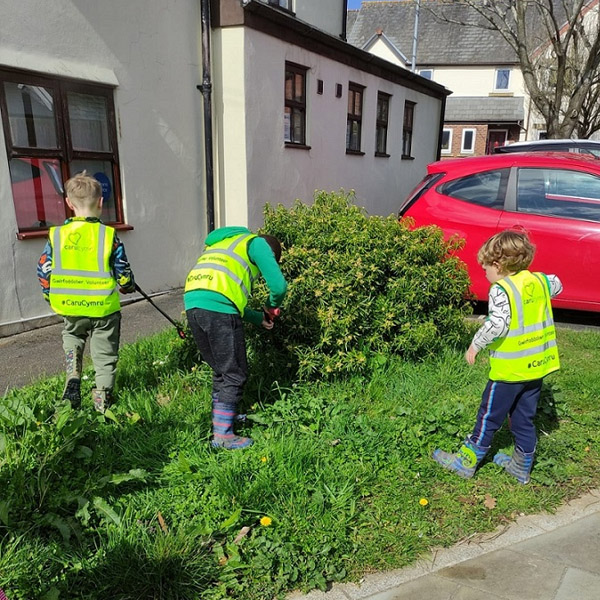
x=180 y=331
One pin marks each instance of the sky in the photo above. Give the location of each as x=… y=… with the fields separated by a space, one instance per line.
x=352 y=4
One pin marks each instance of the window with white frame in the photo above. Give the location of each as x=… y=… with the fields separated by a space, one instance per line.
x=426 y=73
x=502 y=81
x=467 y=145
x=446 y=141
x=53 y=129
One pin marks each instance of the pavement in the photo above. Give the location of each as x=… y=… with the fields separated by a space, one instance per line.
x=537 y=557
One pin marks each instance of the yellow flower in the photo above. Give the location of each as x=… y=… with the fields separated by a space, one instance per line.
x=263 y=459
x=423 y=502
x=265 y=521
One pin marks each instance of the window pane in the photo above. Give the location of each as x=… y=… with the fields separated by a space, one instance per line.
x=289 y=81
x=484 y=189
x=297 y=126
x=502 y=79
x=350 y=101
x=467 y=140
x=358 y=104
x=382 y=108
x=31 y=115
x=353 y=136
x=37 y=192
x=560 y=193
x=381 y=145
x=446 y=140
x=299 y=88
x=89 y=122
x=102 y=171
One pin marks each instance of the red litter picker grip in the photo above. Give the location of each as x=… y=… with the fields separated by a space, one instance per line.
x=271 y=313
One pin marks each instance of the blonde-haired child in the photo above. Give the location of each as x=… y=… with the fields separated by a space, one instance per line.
x=519 y=331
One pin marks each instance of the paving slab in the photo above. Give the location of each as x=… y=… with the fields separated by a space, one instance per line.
x=513 y=575
x=579 y=585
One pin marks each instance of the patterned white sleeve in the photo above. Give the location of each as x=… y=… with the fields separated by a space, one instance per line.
x=555 y=285
x=498 y=320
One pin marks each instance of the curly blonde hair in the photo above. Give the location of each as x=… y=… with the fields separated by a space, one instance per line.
x=510 y=249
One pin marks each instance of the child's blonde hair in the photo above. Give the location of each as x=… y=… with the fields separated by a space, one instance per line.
x=83 y=190
x=510 y=249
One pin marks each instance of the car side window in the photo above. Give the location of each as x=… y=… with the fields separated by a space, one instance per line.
x=559 y=193
x=485 y=189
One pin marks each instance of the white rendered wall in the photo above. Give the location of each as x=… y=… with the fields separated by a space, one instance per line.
x=327 y=15
x=150 y=51
x=381 y=49
x=477 y=81
x=281 y=174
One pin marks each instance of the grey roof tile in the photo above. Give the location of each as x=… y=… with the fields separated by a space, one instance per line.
x=439 y=42
x=471 y=109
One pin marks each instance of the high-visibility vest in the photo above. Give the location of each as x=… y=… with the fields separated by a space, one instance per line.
x=81 y=283
x=226 y=268
x=529 y=350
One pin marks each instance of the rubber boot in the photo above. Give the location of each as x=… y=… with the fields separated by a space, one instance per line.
x=238 y=418
x=518 y=465
x=223 y=417
x=102 y=399
x=465 y=461
x=74 y=364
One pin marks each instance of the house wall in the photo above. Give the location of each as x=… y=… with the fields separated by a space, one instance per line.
x=327 y=15
x=476 y=81
x=381 y=49
x=150 y=52
x=279 y=174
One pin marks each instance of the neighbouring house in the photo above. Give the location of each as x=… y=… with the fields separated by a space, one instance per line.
x=184 y=139
x=489 y=105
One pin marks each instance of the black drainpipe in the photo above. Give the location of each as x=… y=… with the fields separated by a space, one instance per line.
x=344 y=20
x=206 y=89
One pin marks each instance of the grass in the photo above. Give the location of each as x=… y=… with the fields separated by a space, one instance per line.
x=137 y=505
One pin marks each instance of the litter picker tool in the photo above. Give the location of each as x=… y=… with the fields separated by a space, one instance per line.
x=180 y=331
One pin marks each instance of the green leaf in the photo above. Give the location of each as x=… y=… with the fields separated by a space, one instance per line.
x=232 y=520
x=105 y=510
x=109 y=414
x=133 y=474
x=4 y=512
x=62 y=416
x=2 y=442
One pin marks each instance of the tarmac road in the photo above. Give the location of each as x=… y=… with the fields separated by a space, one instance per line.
x=29 y=356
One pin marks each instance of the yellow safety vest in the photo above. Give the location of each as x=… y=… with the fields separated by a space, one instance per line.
x=226 y=268
x=81 y=283
x=529 y=350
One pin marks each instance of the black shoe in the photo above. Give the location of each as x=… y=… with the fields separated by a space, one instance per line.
x=72 y=393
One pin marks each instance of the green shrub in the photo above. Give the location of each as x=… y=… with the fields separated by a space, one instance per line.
x=361 y=288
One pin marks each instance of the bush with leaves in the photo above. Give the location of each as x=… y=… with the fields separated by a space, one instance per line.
x=361 y=288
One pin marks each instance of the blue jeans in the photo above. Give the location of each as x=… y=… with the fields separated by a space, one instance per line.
x=517 y=400
x=220 y=339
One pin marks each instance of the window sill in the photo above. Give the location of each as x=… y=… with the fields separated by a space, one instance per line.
x=501 y=94
x=355 y=152
x=43 y=233
x=382 y=155
x=297 y=146
x=407 y=157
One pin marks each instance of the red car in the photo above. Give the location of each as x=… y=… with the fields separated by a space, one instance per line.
x=555 y=197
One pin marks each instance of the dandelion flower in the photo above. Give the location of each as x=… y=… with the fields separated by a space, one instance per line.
x=265 y=521
x=423 y=502
x=263 y=459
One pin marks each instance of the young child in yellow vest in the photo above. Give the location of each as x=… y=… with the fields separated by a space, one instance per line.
x=216 y=295
x=81 y=268
x=519 y=331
